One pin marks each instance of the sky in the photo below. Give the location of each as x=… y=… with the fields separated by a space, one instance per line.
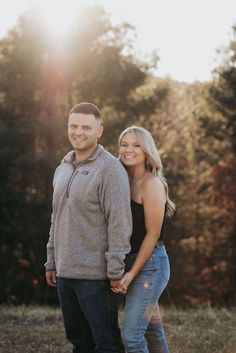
x=185 y=33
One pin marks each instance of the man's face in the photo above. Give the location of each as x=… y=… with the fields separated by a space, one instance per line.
x=83 y=131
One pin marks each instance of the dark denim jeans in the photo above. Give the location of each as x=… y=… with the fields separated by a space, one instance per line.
x=90 y=315
x=143 y=331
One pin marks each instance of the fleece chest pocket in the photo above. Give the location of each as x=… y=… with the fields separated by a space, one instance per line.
x=84 y=187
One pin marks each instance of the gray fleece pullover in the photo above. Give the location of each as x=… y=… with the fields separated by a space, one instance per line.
x=91 y=218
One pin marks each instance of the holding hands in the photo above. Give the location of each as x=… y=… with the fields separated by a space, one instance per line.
x=122 y=285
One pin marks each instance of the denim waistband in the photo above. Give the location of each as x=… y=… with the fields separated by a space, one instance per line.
x=160 y=249
x=159 y=244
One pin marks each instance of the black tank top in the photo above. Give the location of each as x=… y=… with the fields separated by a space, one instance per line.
x=139 y=229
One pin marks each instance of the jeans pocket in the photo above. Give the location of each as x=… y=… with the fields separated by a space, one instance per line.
x=165 y=268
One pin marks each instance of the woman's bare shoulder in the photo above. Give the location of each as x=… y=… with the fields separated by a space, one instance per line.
x=153 y=188
x=153 y=183
x=153 y=192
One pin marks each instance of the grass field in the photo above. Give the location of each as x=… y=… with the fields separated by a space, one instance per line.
x=40 y=330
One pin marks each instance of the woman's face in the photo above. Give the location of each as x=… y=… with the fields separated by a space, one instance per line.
x=130 y=152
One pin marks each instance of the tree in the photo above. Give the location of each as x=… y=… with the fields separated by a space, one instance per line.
x=223 y=89
x=223 y=97
x=38 y=85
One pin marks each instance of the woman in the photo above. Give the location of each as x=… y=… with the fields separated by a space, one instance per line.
x=147 y=268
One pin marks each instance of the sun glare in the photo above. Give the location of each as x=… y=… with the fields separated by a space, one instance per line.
x=60 y=16
x=187 y=51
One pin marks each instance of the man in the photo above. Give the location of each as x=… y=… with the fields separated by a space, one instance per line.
x=89 y=236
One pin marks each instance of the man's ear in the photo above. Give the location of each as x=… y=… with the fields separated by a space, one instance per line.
x=100 y=131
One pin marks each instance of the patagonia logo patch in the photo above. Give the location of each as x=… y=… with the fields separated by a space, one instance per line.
x=85 y=172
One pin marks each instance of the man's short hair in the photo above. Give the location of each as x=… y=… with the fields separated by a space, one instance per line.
x=86 y=108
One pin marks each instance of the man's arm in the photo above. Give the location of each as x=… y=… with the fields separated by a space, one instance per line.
x=50 y=264
x=115 y=197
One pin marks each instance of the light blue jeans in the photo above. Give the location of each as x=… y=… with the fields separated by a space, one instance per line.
x=142 y=329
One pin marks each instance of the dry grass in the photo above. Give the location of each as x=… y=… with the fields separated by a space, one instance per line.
x=40 y=329
x=201 y=330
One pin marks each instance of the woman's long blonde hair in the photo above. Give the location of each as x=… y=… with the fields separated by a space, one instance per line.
x=153 y=161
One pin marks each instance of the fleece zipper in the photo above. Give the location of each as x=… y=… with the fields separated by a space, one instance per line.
x=76 y=170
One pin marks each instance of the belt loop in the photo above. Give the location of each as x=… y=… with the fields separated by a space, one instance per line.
x=160 y=243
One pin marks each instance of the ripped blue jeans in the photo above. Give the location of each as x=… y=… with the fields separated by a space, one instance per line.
x=142 y=328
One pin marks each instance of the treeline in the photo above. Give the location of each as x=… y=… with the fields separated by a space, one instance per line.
x=194 y=126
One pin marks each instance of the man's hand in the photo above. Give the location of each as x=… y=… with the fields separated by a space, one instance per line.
x=118 y=287
x=51 y=278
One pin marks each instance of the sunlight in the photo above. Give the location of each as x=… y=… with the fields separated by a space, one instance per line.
x=187 y=50
x=60 y=16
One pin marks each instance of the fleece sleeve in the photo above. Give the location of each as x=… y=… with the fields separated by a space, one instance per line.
x=50 y=264
x=115 y=199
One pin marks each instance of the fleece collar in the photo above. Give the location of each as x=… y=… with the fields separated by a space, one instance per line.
x=70 y=156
